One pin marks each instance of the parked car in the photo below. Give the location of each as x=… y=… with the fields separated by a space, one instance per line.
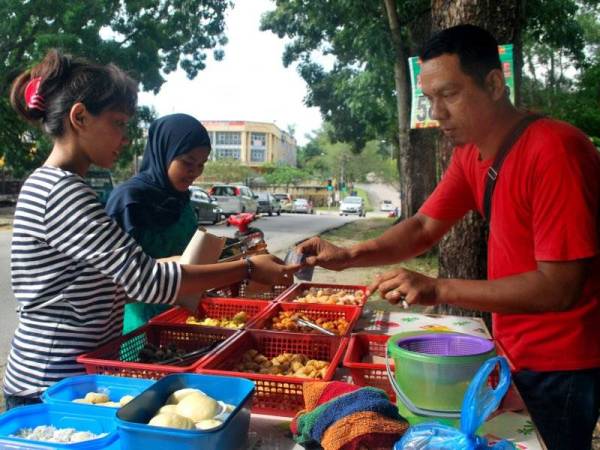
x=268 y=203
x=285 y=200
x=386 y=206
x=234 y=199
x=206 y=207
x=100 y=180
x=352 y=205
x=301 y=205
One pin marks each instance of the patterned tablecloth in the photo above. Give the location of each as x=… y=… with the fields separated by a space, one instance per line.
x=272 y=433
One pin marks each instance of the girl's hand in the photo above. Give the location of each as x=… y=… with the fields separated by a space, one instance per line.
x=269 y=269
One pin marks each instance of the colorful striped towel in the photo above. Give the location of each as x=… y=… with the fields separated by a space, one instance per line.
x=341 y=416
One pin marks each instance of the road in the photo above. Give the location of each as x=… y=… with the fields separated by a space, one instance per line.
x=378 y=192
x=281 y=232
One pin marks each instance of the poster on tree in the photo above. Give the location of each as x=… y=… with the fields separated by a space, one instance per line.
x=420 y=113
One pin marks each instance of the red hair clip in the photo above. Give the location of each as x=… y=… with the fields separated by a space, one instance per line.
x=33 y=98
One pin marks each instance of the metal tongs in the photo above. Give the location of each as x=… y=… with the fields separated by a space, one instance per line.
x=178 y=360
x=314 y=326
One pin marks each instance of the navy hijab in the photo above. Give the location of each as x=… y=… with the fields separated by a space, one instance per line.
x=148 y=200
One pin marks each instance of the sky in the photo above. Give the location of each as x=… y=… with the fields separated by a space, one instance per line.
x=250 y=83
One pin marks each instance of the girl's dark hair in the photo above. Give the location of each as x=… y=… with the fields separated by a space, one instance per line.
x=476 y=48
x=66 y=80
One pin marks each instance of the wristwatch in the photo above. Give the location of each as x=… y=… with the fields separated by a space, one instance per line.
x=249 y=267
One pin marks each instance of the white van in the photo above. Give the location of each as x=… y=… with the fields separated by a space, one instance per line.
x=234 y=199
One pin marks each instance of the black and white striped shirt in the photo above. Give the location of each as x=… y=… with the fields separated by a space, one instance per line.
x=72 y=269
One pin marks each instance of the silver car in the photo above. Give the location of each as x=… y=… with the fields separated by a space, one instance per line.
x=301 y=205
x=352 y=205
x=234 y=199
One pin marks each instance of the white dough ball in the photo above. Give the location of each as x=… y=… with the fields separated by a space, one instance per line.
x=96 y=397
x=208 y=424
x=171 y=409
x=170 y=420
x=125 y=399
x=198 y=407
x=179 y=395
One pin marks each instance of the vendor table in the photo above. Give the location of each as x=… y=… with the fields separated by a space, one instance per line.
x=272 y=433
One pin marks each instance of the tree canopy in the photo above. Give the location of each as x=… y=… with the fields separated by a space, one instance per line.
x=147 y=38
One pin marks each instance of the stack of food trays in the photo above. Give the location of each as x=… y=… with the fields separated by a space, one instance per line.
x=265 y=347
x=281 y=360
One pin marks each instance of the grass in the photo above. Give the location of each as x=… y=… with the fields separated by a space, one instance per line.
x=362 y=193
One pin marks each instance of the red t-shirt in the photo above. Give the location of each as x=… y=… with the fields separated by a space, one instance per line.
x=545 y=208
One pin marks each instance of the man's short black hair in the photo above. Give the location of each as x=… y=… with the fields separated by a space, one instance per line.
x=476 y=48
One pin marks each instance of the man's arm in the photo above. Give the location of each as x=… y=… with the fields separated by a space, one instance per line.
x=553 y=287
x=404 y=240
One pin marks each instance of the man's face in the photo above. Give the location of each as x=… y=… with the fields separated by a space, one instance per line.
x=462 y=107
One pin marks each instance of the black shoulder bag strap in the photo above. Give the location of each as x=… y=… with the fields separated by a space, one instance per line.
x=494 y=170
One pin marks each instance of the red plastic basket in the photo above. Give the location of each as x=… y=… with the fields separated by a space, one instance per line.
x=249 y=291
x=276 y=395
x=368 y=374
x=297 y=290
x=119 y=357
x=217 y=308
x=312 y=311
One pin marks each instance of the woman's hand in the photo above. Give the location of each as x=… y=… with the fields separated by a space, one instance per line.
x=319 y=252
x=269 y=269
x=405 y=285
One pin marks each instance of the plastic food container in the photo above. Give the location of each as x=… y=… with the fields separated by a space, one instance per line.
x=275 y=394
x=215 y=308
x=250 y=290
x=311 y=311
x=69 y=389
x=120 y=356
x=81 y=417
x=297 y=290
x=135 y=433
x=368 y=373
x=434 y=370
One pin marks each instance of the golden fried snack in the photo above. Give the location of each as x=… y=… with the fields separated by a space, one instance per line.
x=329 y=296
x=286 y=364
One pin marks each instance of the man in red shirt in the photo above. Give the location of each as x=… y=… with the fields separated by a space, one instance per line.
x=543 y=284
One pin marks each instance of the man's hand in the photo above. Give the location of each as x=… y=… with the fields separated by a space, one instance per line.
x=269 y=269
x=401 y=284
x=319 y=252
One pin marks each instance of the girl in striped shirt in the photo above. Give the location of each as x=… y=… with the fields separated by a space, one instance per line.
x=72 y=266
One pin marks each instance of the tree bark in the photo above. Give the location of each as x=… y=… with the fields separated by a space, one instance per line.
x=463 y=251
x=416 y=155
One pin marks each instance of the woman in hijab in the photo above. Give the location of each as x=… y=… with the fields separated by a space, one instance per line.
x=154 y=205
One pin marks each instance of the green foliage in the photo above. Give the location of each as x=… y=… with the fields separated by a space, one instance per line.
x=324 y=159
x=147 y=38
x=357 y=95
x=227 y=171
x=284 y=175
x=562 y=62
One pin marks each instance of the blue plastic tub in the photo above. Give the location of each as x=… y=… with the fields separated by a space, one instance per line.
x=135 y=433
x=67 y=390
x=80 y=417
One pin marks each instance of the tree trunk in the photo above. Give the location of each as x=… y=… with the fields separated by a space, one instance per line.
x=416 y=155
x=463 y=251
